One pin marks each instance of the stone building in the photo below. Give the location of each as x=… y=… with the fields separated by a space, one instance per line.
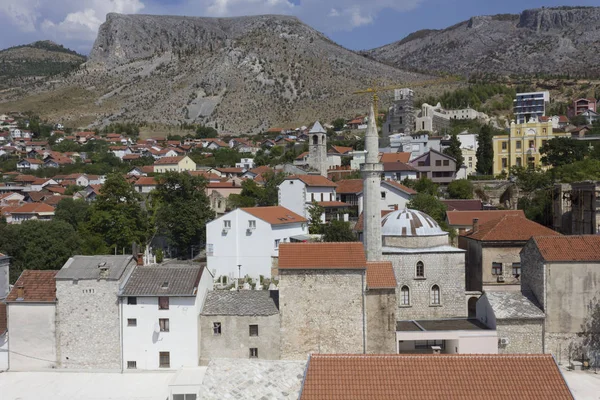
x=381 y=308
x=31 y=311
x=240 y=324
x=563 y=274
x=321 y=298
x=517 y=319
x=561 y=208
x=585 y=208
x=401 y=116
x=88 y=321
x=493 y=250
x=430 y=273
x=317 y=149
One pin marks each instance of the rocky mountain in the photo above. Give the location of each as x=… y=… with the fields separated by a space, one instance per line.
x=238 y=74
x=552 y=41
x=22 y=64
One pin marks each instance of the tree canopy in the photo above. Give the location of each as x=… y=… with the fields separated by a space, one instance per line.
x=563 y=151
x=338 y=231
x=430 y=205
x=455 y=151
x=485 y=151
x=460 y=189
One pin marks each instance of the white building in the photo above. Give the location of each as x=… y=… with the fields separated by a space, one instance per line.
x=358 y=158
x=160 y=313
x=246 y=240
x=246 y=163
x=393 y=196
x=31 y=311
x=298 y=192
x=4 y=286
x=528 y=105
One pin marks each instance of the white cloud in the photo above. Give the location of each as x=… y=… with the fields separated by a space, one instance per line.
x=23 y=14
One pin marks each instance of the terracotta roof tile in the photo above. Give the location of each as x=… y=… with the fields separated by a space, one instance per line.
x=463 y=205
x=569 y=248
x=432 y=377
x=313 y=180
x=146 y=181
x=465 y=218
x=275 y=215
x=349 y=186
x=395 y=157
x=38 y=286
x=510 y=228
x=205 y=174
x=340 y=149
x=349 y=255
x=261 y=170
x=301 y=156
x=380 y=275
x=231 y=170
x=34 y=208
x=168 y=160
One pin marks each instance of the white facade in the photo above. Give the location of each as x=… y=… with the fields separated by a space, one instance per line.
x=32 y=336
x=297 y=196
x=246 y=163
x=358 y=158
x=231 y=242
x=390 y=198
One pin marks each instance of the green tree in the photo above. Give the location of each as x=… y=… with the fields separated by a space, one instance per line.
x=531 y=179
x=588 y=169
x=206 y=132
x=338 y=231
x=338 y=124
x=460 y=189
x=537 y=207
x=422 y=185
x=562 y=151
x=315 y=211
x=75 y=212
x=38 y=245
x=66 y=145
x=72 y=189
x=117 y=216
x=183 y=210
x=485 y=151
x=455 y=151
x=430 y=205
x=578 y=120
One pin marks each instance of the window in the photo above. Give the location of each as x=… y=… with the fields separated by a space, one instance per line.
x=504 y=145
x=312 y=197
x=382 y=195
x=216 y=328
x=187 y=396
x=164 y=324
x=544 y=142
x=438 y=163
x=227 y=224
x=530 y=162
x=421 y=163
x=504 y=163
x=470 y=158
x=163 y=303
x=531 y=144
x=519 y=161
x=544 y=130
x=427 y=344
x=516 y=269
x=277 y=243
x=209 y=249
x=131 y=322
x=518 y=144
x=405 y=295
x=330 y=196
x=420 y=272
x=321 y=196
x=446 y=163
x=496 y=268
x=252 y=224
x=132 y=301
x=131 y=364
x=253 y=352
x=164 y=359
x=435 y=295
x=253 y=330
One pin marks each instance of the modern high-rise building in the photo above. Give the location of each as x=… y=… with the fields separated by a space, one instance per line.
x=528 y=105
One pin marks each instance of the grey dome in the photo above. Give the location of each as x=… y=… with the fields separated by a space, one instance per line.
x=409 y=222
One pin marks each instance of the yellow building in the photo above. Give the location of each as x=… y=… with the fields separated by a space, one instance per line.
x=522 y=146
x=470 y=156
x=177 y=164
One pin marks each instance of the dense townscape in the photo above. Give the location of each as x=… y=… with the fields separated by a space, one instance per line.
x=441 y=244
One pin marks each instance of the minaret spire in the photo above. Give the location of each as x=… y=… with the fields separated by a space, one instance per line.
x=371 y=173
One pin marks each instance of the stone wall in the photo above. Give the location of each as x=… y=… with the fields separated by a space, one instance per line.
x=87 y=324
x=563 y=346
x=533 y=273
x=321 y=312
x=381 y=321
x=235 y=340
x=447 y=270
x=504 y=255
x=525 y=336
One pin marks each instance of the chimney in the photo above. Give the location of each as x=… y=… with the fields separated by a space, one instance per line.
x=475 y=225
x=395 y=207
x=20 y=293
x=140 y=259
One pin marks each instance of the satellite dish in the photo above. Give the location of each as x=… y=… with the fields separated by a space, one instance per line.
x=157 y=328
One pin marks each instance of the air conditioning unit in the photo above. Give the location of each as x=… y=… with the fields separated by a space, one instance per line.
x=503 y=341
x=225 y=229
x=249 y=230
x=500 y=279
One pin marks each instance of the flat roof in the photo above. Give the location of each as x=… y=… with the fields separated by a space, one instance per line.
x=459 y=324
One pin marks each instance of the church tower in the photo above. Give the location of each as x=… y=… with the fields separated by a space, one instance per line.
x=317 y=149
x=371 y=172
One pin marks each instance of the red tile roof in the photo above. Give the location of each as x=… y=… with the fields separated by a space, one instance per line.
x=231 y=170
x=340 y=149
x=302 y=156
x=395 y=157
x=131 y=156
x=349 y=186
x=463 y=205
x=25 y=178
x=397 y=166
x=275 y=215
x=380 y=275
x=146 y=181
x=205 y=174
x=400 y=186
x=569 y=248
x=465 y=218
x=169 y=160
x=34 y=208
x=261 y=170
x=509 y=228
x=433 y=377
x=223 y=185
x=38 y=287
x=349 y=255
x=313 y=180
x=33 y=161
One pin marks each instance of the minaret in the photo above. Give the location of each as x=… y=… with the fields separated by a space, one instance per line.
x=371 y=173
x=317 y=149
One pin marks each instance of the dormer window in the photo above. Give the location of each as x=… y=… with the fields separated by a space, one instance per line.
x=252 y=224
x=227 y=224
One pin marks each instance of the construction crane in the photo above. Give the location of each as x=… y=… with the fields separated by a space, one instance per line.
x=375 y=90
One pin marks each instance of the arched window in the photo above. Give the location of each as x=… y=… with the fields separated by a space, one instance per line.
x=405 y=295
x=420 y=272
x=315 y=139
x=435 y=294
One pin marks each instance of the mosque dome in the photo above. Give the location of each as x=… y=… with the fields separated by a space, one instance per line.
x=409 y=222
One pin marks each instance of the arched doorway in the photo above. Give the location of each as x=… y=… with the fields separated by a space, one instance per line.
x=472 y=307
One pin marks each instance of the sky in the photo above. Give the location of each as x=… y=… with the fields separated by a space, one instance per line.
x=355 y=24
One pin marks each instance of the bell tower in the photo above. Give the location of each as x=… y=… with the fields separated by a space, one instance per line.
x=317 y=149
